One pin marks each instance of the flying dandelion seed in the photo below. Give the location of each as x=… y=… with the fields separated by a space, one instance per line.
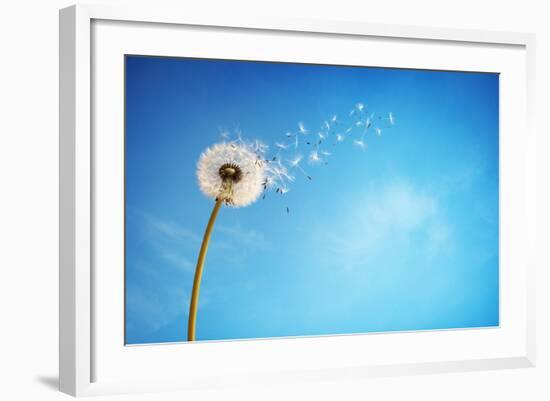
x=281 y=146
x=360 y=144
x=325 y=153
x=333 y=119
x=225 y=134
x=391 y=118
x=378 y=131
x=339 y=137
x=314 y=157
x=301 y=128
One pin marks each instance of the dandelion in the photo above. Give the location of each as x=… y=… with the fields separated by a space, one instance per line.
x=301 y=128
x=378 y=131
x=231 y=175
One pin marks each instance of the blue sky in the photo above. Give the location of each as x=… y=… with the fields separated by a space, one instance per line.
x=400 y=236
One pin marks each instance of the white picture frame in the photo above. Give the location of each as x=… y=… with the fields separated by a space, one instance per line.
x=83 y=344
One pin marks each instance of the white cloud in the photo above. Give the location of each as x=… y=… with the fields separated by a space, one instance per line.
x=384 y=217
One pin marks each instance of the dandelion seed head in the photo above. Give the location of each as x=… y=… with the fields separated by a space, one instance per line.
x=232 y=172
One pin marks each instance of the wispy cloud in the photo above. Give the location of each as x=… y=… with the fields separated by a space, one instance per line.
x=169 y=229
x=383 y=217
x=154 y=308
x=170 y=241
x=237 y=235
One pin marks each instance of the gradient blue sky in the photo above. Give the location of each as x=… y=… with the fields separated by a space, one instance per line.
x=402 y=236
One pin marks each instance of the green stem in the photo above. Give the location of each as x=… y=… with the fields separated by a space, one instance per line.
x=198 y=272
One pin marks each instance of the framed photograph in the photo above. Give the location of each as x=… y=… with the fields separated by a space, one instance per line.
x=264 y=200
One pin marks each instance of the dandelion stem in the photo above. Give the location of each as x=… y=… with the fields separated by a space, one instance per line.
x=198 y=271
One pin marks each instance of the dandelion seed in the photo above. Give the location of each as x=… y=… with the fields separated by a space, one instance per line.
x=378 y=131
x=314 y=157
x=348 y=130
x=325 y=153
x=361 y=144
x=333 y=119
x=327 y=125
x=339 y=137
x=301 y=128
x=225 y=134
x=359 y=123
x=391 y=118
x=281 y=145
x=296 y=160
x=283 y=190
x=360 y=106
x=260 y=147
x=321 y=135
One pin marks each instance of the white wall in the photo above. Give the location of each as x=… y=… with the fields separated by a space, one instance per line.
x=29 y=184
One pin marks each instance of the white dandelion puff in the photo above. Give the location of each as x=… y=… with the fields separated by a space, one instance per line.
x=301 y=128
x=231 y=172
x=339 y=137
x=325 y=153
x=333 y=119
x=321 y=135
x=378 y=131
x=360 y=106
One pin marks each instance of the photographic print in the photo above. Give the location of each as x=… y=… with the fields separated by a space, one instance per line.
x=274 y=199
